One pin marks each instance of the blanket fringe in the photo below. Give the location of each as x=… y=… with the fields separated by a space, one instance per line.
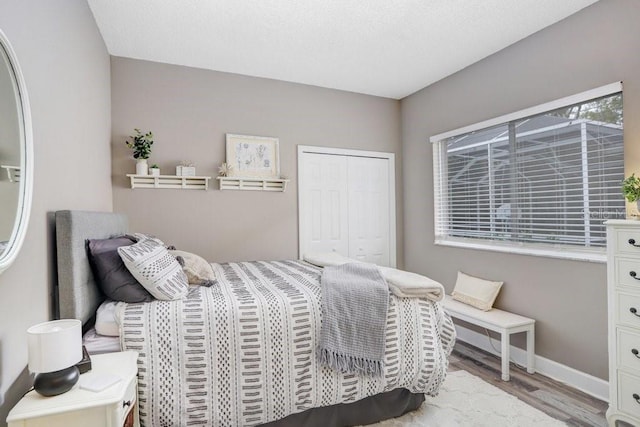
x=350 y=364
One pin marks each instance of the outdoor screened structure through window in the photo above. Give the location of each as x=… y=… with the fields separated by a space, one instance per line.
x=540 y=181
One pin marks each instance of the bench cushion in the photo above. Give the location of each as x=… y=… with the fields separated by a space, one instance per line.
x=496 y=318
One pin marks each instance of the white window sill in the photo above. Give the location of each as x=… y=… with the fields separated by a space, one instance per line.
x=577 y=254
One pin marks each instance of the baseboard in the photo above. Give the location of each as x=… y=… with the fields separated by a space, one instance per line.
x=589 y=384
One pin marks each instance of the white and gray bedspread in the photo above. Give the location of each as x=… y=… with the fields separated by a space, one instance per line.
x=243 y=351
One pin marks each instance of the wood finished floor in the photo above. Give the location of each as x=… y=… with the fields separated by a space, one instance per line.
x=559 y=401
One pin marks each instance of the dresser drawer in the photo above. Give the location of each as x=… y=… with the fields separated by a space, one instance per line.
x=625 y=241
x=627 y=272
x=628 y=346
x=629 y=393
x=628 y=309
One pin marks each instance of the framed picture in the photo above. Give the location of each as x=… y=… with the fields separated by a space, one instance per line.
x=253 y=156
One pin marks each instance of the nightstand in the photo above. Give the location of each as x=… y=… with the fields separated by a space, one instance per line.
x=115 y=406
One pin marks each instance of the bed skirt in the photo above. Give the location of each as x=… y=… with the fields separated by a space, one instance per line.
x=369 y=410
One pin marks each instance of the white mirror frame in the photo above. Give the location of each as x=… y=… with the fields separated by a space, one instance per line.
x=26 y=161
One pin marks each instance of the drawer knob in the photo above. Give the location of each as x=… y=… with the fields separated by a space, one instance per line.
x=635 y=353
x=632 y=242
x=633 y=274
x=128 y=403
x=636 y=397
x=634 y=311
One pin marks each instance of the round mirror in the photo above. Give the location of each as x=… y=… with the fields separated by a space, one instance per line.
x=16 y=155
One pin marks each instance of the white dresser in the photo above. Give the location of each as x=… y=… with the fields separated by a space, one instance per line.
x=623 y=277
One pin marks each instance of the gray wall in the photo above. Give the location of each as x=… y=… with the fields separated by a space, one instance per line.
x=190 y=110
x=597 y=46
x=66 y=68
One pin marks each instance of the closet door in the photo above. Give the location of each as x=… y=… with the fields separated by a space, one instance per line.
x=324 y=213
x=368 y=183
x=347 y=204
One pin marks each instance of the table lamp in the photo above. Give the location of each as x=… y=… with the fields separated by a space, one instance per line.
x=54 y=349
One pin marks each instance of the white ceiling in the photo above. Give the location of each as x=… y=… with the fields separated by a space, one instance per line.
x=388 y=48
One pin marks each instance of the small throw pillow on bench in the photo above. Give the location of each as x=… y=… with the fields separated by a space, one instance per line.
x=479 y=293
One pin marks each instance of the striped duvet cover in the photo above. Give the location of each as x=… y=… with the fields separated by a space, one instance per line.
x=243 y=351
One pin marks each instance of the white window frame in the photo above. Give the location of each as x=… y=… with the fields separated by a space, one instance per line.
x=538 y=249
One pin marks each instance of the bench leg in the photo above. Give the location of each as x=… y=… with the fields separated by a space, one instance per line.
x=531 y=353
x=505 y=355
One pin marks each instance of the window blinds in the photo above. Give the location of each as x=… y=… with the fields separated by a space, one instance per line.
x=552 y=178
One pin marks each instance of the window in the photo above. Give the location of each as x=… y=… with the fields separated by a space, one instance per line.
x=541 y=181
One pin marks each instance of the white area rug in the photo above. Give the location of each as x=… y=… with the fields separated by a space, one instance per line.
x=467 y=401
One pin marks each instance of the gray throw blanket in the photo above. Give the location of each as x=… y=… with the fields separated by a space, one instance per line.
x=355 y=299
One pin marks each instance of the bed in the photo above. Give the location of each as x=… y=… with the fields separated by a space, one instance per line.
x=241 y=352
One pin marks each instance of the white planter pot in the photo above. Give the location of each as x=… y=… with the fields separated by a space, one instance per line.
x=154 y=171
x=141 y=167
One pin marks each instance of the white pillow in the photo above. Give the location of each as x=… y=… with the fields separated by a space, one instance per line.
x=106 y=322
x=156 y=269
x=197 y=269
x=479 y=293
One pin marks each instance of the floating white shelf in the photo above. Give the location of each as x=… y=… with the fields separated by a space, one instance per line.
x=170 y=181
x=13 y=172
x=255 y=184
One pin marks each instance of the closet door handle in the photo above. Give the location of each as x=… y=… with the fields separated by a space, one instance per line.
x=634 y=311
x=633 y=274
x=636 y=397
x=632 y=242
x=635 y=353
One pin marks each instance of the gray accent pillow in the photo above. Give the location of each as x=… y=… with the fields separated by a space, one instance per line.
x=156 y=269
x=113 y=277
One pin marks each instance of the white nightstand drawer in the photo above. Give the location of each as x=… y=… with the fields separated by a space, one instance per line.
x=628 y=272
x=625 y=241
x=127 y=403
x=628 y=309
x=629 y=393
x=629 y=350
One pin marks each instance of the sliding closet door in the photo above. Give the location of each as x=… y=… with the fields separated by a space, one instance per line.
x=324 y=212
x=347 y=204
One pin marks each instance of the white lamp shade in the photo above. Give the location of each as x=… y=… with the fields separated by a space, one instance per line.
x=55 y=345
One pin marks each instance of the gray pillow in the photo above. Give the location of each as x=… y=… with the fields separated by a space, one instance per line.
x=112 y=276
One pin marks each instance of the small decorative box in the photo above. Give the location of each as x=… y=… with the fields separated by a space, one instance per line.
x=84 y=365
x=185 y=170
x=188 y=171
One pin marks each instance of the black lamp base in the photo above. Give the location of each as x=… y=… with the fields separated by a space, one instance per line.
x=55 y=383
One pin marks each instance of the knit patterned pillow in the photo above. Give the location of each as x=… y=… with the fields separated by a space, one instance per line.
x=197 y=269
x=156 y=269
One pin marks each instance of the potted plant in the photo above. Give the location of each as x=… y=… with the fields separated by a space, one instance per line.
x=141 y=144
x=155 y=170
x=631 y=189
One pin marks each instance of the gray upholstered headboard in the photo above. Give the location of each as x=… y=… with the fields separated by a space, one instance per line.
x=78 y=293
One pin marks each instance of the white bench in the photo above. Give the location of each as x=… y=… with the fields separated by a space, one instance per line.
x=498 y=321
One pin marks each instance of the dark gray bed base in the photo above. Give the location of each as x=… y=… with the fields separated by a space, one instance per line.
x=79 y=298
x=379 y=407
